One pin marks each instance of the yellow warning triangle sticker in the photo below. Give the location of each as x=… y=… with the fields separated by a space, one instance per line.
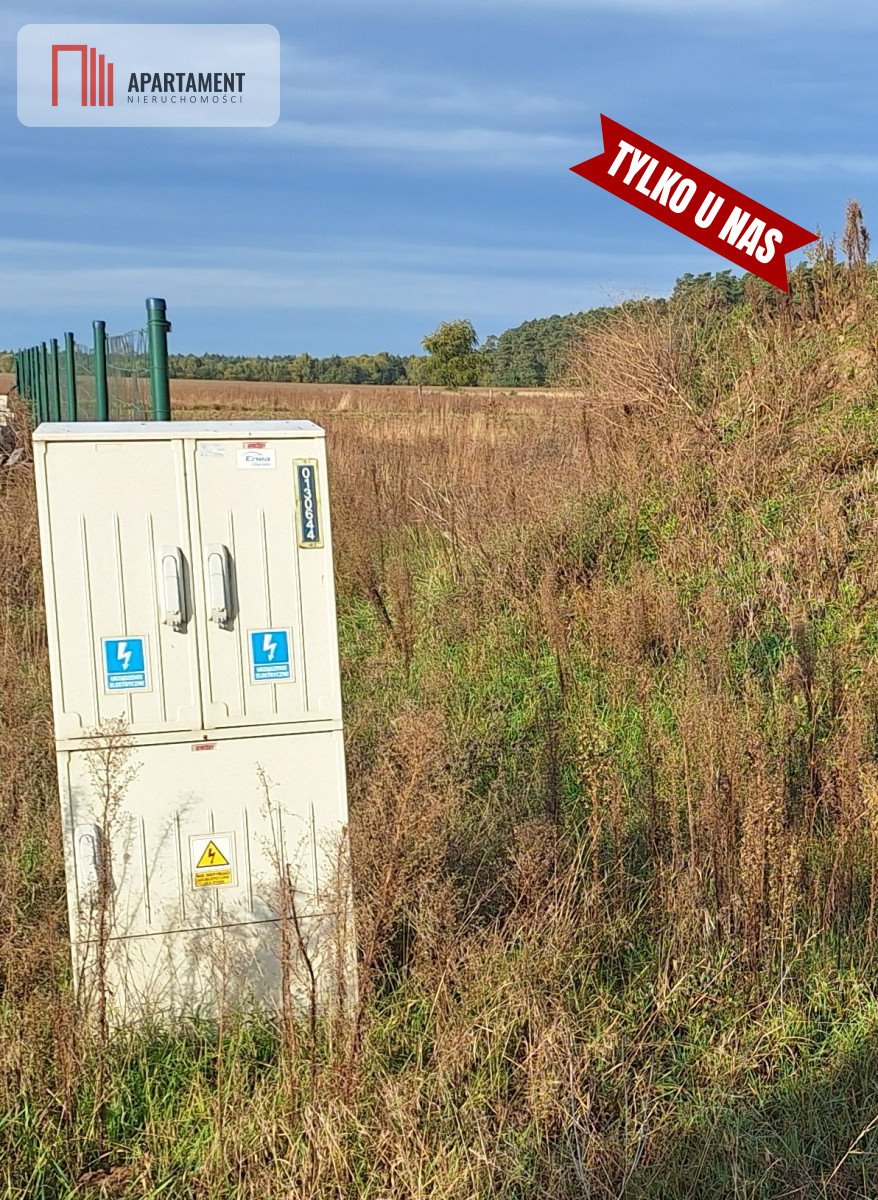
x=212 y=857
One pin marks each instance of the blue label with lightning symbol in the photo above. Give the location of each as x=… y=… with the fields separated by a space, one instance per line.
x=125 y=664
x=270 y=655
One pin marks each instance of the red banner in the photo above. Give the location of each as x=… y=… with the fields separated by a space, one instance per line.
x=693 y=202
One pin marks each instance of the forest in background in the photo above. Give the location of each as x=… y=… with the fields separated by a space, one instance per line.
x=533 y=354
x=536 y=353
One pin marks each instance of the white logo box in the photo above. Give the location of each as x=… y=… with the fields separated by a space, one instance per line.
x=148 y=76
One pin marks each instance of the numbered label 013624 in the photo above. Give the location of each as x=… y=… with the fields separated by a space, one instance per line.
x=308 y=503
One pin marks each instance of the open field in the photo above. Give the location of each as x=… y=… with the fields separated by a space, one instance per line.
x=612 y=703
x=206 y=399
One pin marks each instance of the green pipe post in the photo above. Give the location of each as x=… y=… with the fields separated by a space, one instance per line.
x=17 y=368
x=55 y=395
x=44 y=382
x=102 y=396
x=70 y=369
x=39 y=357
x=38 y=379
x=32 y=383
x=158 y=328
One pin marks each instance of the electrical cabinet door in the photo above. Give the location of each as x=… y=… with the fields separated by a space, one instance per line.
x=117 y=565
x=264 y=582
x=201 y=836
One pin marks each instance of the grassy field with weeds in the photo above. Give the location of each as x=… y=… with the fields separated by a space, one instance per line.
x=611 y=688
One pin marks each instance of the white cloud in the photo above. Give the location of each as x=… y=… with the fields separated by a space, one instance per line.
x=465 y=146
x=359 y=106
x=316 y=83
x=46 y=278
x=703 y=8
x=814 y=165
x=520 y=150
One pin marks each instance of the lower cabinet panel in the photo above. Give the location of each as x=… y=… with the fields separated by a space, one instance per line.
x=190 y=866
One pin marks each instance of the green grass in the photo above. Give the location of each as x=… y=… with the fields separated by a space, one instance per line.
x=727 y=1094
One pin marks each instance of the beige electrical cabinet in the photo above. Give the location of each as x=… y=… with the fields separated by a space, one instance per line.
x=195 y=683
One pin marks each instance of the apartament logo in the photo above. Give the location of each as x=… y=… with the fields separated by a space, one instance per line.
x=97 y=75
x=148 y=76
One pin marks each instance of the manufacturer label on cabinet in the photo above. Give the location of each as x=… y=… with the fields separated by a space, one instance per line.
x=256 y=459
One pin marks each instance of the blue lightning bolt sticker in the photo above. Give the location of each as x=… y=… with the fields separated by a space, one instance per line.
x=125 y=664
x=270 y=660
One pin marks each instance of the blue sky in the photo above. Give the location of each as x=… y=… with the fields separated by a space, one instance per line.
x=419 y=171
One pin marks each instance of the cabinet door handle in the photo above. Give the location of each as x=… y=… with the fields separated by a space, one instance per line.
x=173 y=592
x=219 y=584
x=87 y=850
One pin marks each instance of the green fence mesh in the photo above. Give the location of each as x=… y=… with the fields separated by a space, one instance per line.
x=127 y=378
x=83 y=358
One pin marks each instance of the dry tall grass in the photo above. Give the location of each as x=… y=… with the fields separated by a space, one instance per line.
x=609 y=666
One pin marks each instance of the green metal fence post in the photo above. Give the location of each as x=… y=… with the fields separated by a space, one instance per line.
x=32 y=383
x=17 y=369
x=70 y=371
x=44 y=382
x=55 y=395
x=102 y=397
x=158 y=328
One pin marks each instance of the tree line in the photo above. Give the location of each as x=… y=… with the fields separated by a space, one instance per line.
x=533 y=354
